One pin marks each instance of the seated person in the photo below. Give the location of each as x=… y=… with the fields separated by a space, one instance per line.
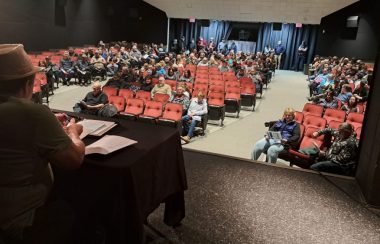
x=197 y=108
x=181 y=98
x=147 y=85
x=290 y=133
x=98 y=65
x=32 y=139
x=351 y=106
x=186 y=77
x=340 y=157
x=66 y=68
x=171 y=75
x=361 y=91
x=328 y=101
x=345 y=94
x=115 y=81
x=161 y=87
x=93 y=101
x=112 y=67
x=203 y=63
x=83 y=69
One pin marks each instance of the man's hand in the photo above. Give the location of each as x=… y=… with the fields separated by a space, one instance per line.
x=73 y=128
x=284 y=141
x=322 y=154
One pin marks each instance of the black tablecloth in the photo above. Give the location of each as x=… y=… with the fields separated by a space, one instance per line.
x=121 y=189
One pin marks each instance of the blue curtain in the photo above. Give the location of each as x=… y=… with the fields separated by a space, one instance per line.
x=291 y=37
x=218 y=30
x=182 y=27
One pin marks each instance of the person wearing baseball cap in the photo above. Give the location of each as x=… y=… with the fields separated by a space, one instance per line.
x=31 y=138
x=340 y=157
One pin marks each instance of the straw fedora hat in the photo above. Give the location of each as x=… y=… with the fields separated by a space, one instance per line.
x=14 y=62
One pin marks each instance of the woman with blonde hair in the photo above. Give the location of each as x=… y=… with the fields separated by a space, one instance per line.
x=290 y=135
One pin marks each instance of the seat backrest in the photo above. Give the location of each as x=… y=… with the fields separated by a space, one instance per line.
x=215 y=77
x=117 y=101
x=37 y=86
x=42 y=77
x=230 y=78
x=232 y=84
x=312 y=109
x=246 y=80
x=153 y=109
x=314 y=121
x=216 y=99
x=248 y=89
x=126 y=93
x=216 y=88
x=144 y=95
x=155 y=81
x=109 y=91
x=216 y=82
x=201 y=81
x=299 y=117
x=334 y=124
x=161 y=97
x=307 y=140
x=201 y=87
x=334 y=114
x=171 y=83
x=173 y=111
x=235 y=90
x=134 y=106
x=355 y=119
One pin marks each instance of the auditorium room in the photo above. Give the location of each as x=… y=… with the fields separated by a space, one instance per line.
x=197 y=121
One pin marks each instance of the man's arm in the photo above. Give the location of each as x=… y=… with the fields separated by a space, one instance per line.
x=71 y=157
x=60 y=146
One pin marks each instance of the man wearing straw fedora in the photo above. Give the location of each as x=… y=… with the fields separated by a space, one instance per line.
x=31 y=138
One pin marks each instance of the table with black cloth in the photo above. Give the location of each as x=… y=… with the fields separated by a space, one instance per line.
x=121 y=189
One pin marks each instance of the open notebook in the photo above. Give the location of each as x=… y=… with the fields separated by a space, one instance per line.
x=108 y=144
x=95 y=127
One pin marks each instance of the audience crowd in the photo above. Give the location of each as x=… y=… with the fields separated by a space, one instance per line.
x=337 y=83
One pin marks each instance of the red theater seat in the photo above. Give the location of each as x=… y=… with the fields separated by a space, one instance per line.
x=126 y=93
x=134 y=107
x=216 y=105
x=152 y=111
x=158 y=97
x=334 y=114
x=314 y=121
x=355 y=119
x=312 y=109
x=299 y=117
x=143 y=95
x=248 y=95
x=172 y=114
x=216 y=88
x=232 y=100
x=118 y=102
x=109 y=91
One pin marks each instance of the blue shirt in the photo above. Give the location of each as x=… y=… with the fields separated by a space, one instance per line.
x=344 y=97
x=279 y=49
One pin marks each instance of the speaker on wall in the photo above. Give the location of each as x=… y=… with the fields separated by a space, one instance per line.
x=352 y=22
x=277 y=26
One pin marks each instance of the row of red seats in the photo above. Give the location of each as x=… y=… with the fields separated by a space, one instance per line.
x=315 y=116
